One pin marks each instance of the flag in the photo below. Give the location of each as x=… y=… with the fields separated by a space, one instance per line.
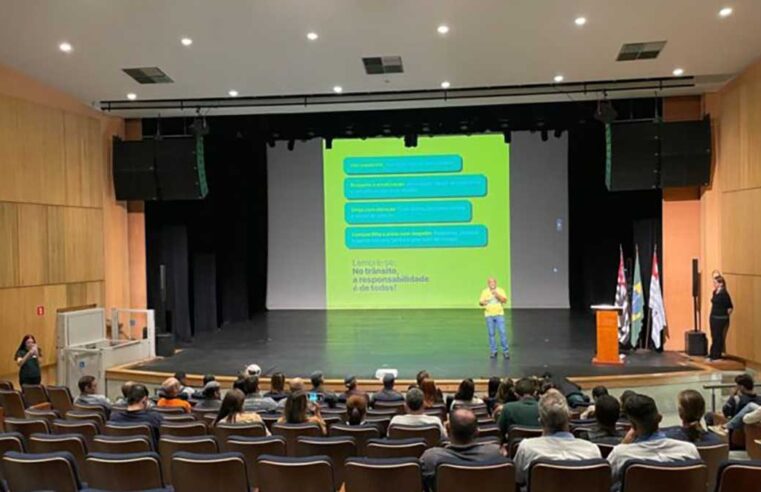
x=638 y=302
x=622 y=300
x=657 y=311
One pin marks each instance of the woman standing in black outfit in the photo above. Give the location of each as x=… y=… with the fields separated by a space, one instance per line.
x=721 y=308
x=28 y=359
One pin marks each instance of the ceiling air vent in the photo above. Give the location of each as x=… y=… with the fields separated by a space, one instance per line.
x=640 y=51
x=376 y=65
x=148 y=75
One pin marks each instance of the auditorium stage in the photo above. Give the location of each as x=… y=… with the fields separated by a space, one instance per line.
x=451 y=344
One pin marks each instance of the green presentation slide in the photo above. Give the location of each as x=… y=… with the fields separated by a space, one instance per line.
x=421 y=227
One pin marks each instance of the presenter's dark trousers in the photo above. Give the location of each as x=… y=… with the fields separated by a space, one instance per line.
x=719 y=327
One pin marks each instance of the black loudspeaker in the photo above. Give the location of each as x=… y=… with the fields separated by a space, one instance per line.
x=695 y=278
x=696 y=343
x=167 y=169
x=164 y=344
x=632 y=156
x=686 y=153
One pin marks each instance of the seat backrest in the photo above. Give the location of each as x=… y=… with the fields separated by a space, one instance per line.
x=96 y=417
x=169 y=410
x=562 y=476
x=224 y=431
x=86 y=428
x=520 y=432
x=52 y=471
x=379 y=475
x=338 y=449
x=684 y=476
x=253 y=447
x=270 y=420
x=124 y=472
x=361 y=434
x=287 y=474
x=381 y=412
x=82 y=407
x=34 y=394
x=738 y=476
x=396 y=448
x=121 y=444
x=6 y=385
x=12 y=403
x=752 y=434
x=381 y=423
x=490 y=430
x=493 y=476
x=713 y=457
x=10 y=441
x=291 y=433
x=397 y=406
x=27 y=427
x=114 y=429
x=51 y=443
x=180 y=418
x=60 y=398
x=186 y=429
x=430 y=433
x=49 y=415
x=168 y=445
x=224 y=471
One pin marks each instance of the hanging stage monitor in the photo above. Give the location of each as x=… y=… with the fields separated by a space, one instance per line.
x=686 y=153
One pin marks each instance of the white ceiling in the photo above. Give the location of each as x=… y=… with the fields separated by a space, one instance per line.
x=259 y=47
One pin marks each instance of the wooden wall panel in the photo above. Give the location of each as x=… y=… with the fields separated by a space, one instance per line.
x=741 y=214
x=742 y=339
x=9 y=273
x=34 y=262
x=9 y=151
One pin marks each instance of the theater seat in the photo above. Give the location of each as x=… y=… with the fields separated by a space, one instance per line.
x=183 y=429
x=377 y=475
x=752 y=434
x=253 y=447
x=713 y=457
x=119 y=429
x=493 y=476
x=430 y=433
x=85 y=428
x=10 y=441
x=169 y=445
x=51 y=443
x=96 y=417
x=6 y=385
x=192 y=472
x=13 y=404
x=288 y=474
x=562 y=476
x=738 y=476
x=60 y=399
x=121 y=444
x=52 y=471
x=49 y=415
x=490 y=430
x=338 y=449
x=291 y=433
x=396 y=448
x=223 y=431
x=34 y=394
x=396 y=406
x=361 y=434
x=27 y=427
x=124 y=472
x=682 y=476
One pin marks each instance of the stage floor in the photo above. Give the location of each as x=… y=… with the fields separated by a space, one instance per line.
x=451 y=344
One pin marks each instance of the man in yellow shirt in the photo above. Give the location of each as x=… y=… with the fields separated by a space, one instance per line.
x=492 y=299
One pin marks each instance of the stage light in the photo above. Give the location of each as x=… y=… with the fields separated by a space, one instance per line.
x=678 y=72
x=558 y=78
x=232 y=93
x=725 y=12
x=443 y=29
x=410 y=140
x=186 y=41
x=338 y=89
x=65 y=47
x=312 y=36
x=507 y=136
x=328 y=143
x=580 y=21
x=545 y=136
x=445 y=84
x=291 y=144
x=131 y=96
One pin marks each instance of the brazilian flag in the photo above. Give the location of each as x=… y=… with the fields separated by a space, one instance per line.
x=638 y=302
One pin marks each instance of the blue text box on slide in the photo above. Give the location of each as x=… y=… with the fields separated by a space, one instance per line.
x=410 y=164
x=395 y=187
x=408 y=212
x=456 y=236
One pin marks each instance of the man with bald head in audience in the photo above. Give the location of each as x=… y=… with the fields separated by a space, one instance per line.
x=463 y=431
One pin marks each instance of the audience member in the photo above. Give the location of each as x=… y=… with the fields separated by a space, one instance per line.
x=137 y=411
x=414 y=404
x=431 y=394
x=184 y=388
x=463 y=431
x=277 y=387
x=557 y=443
x=356 y=409
x=126 y=387
x=742 y=395
x=252 y=370
x=198 y=394
x=607 y=413
x=296 y=406
x=692 y=408
x=597 y=392
x=231 y=411
x=524 y=412
x=624 y=397
x=388 y=393
x=491 y=393
x=255 y=402
x=211 y=400
x=644 y=441
x=294 y=385
x=422 y=375
x=170 y=391
x=465 y=395
x=318 y=386
x=88 y=393
x=350 y=382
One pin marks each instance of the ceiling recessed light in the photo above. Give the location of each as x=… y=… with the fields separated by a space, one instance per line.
x=338 y=89
x=725 y=12
x=232 y=93
x=558 y=78
x=678 y=72
x=443 y=29
x=65 y=47
x=312 y=36
x=186 y=41
x=131 y=96
x=580 y=21
x=445 y=84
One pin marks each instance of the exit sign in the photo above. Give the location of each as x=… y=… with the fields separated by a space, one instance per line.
x=40 y=310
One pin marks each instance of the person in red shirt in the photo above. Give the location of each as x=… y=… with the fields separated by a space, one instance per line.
x=170 y=395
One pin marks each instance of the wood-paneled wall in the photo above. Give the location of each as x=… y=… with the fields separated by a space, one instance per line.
x=731 y=209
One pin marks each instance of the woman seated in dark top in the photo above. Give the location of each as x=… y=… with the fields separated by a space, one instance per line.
x=692 y=407
x=277 y=387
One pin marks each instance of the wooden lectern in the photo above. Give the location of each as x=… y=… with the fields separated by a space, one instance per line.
x=607 y=334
